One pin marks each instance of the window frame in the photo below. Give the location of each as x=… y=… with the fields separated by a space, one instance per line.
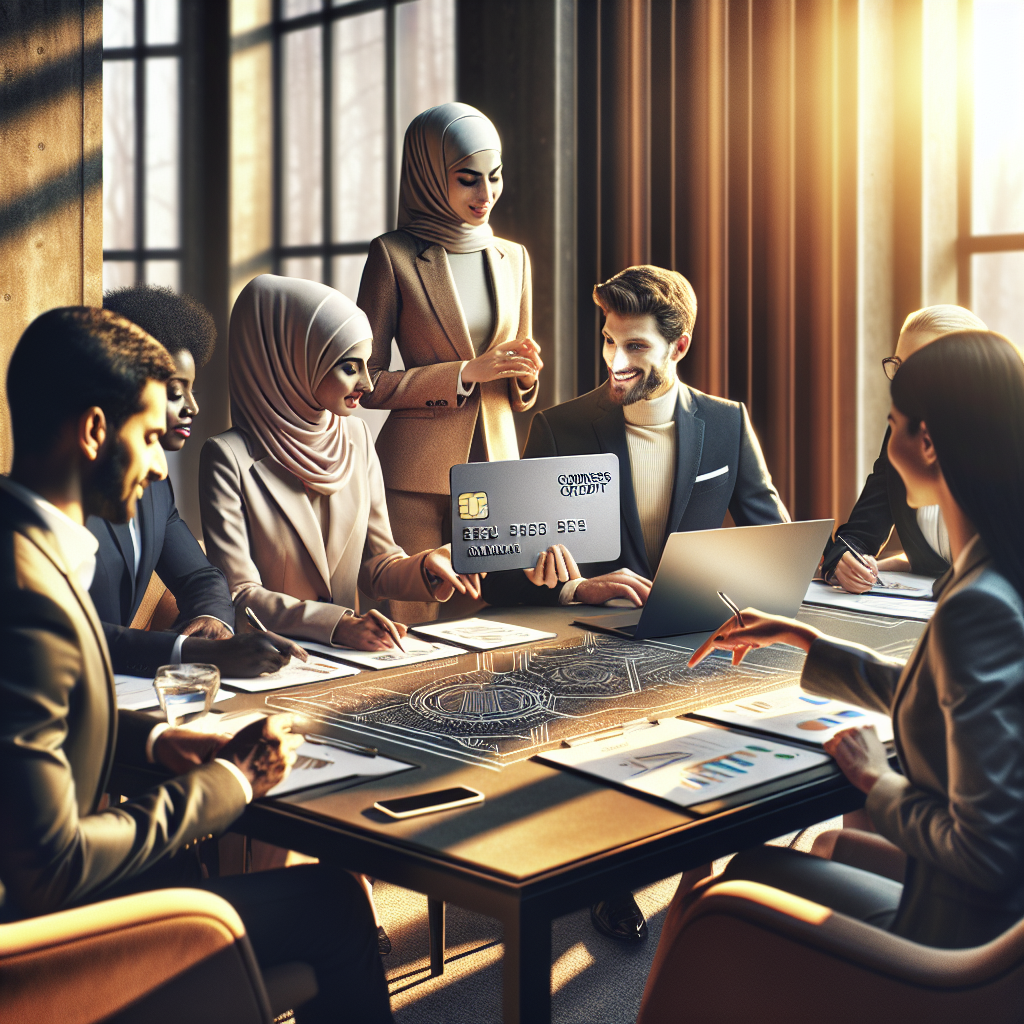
x=969 y=243
x=327 y=248
x=139 y=254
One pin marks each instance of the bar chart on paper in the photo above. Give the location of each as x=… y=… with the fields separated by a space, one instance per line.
x=685 y=762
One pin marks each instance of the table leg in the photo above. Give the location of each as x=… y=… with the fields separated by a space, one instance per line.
x=526 y=977
x=435 y=927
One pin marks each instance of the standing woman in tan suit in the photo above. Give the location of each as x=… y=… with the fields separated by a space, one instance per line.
x=291 y=497
x=458 y=301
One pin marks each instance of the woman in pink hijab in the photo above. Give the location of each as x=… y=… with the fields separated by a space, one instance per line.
x=292 y=497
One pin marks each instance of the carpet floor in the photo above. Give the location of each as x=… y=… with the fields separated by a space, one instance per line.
x=594 y=980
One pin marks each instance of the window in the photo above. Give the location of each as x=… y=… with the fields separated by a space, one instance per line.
x=348 y=78
x=991 y=258
x=141 y=140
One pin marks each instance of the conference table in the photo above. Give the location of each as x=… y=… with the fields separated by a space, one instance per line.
x=545 y=841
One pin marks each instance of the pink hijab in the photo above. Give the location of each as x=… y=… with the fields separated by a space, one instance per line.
x=285 y=335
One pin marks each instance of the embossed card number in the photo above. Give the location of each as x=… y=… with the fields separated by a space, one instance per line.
x=577 y=498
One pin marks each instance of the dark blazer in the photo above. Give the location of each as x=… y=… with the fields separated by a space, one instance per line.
x=169 y=549
x=710 y=433
x=957 y=810
x=883 y=504
x=60 y=732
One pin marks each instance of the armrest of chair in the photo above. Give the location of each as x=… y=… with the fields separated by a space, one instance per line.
x=745 y=950
x=167 y=955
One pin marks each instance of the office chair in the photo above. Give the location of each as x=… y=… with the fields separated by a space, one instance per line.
x=152 y=958
x=749 y=952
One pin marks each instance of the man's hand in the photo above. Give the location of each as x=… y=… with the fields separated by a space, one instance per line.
x=758 y=630
x=444 y=580
x=554 y=566
x=264 y=752
x=860 y=754
x=244 y=655
x=621 y=583
x=853 y=577
x=513 y=359
x=370 y=632
x=207 y=626
x=179 y=750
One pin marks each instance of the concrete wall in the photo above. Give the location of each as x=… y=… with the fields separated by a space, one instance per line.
x=51 y=120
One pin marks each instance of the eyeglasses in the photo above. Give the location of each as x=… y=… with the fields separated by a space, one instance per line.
x=890 y=364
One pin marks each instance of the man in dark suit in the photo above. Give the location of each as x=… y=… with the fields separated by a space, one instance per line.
x=156 y=539
x=87 y=392
x=685 y=458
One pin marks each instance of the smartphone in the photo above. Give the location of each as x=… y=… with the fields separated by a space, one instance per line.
x=428 y=803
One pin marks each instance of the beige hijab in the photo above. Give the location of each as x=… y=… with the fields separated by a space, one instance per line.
x=436 y=141
x=285 y=335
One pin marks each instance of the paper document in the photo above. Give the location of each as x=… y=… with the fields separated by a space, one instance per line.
x=794 y=714
x=316 y=763
x=875 y=602
x=685 y=762
x=904 y=584
x=319 y=763
x=137 y=693
x=482 y=634
x=295 y=673
x=416 y=651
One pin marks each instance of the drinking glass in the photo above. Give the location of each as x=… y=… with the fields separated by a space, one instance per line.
x=186 y=689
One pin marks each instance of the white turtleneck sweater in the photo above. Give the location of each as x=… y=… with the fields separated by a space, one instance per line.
x=651 y=439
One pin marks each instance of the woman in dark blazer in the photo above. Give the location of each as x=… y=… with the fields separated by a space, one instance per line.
x=957 y=809
x=882 y=504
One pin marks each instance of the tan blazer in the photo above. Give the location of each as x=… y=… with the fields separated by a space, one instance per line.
x=408 y=294
x=60 y=732
x=261 y=532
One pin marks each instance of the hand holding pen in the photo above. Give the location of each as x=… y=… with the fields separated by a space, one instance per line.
x=747 y=630
x=856 y=572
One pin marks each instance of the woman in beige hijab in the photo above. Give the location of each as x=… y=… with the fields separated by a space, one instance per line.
x=458 y=302
x=291 y=497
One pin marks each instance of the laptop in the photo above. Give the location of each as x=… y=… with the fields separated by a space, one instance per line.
x=764 y=567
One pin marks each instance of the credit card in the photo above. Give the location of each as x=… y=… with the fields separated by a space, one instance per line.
x=504 y=514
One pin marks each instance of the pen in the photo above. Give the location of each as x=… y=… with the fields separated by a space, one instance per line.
x=352 y=748
x=254 y=620
x=729 y=603
x=859 y=557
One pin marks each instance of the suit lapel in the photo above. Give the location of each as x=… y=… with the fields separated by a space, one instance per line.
x=436 y=276
x=611 y=435
x=145 y=528
x=689 y=445
x=944 y=586
x=43 y=540
x=123 y=538
x=501 y=289
x=288 y=493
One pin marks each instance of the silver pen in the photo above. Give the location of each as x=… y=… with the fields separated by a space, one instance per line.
x=729 y=603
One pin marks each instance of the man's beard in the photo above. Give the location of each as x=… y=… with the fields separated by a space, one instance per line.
x=107 y=484
x=654 y=380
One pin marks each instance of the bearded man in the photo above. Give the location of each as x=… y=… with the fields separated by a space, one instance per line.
x=691 y=457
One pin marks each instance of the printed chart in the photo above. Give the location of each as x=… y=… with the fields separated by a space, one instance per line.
x=685 y=762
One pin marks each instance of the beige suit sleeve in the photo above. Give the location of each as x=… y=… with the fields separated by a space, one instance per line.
x=417 y=387
x=387 y=571
x=522 y=398
x=226 y=531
